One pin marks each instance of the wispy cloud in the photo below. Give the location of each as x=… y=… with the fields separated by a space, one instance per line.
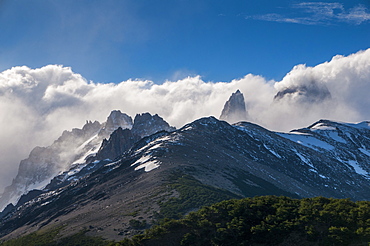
x=319 y=13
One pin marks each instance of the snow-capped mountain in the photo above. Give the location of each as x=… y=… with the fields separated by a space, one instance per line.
x=44 y=163
x=346 y=143
x=325 y=159
x=70 y=153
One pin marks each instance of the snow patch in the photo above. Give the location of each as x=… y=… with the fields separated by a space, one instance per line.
x=361 y=125
x=149 y=166
x=75 y=170
x=38 y=186
x=336 y=137
x=303 y=159
x=349 y=136
x=158 y=143
x=307 y=140
x=323 y=127
x=187 y=128
x=322 y=176
x=45 y=203
x=155 y=146
x=364 y=151
x=145 y=162
x=329 y=131
x=357 y=167
x=92 y=150
x=272 y=151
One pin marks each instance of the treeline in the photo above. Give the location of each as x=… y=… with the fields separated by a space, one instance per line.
x=265 y=220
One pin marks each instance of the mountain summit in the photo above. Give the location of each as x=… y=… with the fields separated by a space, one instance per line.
x=135 y=179
x=234 y=109
x=72 y=151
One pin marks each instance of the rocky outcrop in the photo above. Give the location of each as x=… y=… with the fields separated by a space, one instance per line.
x=147 y=124
x=120 y=141
x=115 y=120
x=71 y=148
x=234 y=109
x=308 y=93
x=72 y=151
x=44 y=163
x=325 y=159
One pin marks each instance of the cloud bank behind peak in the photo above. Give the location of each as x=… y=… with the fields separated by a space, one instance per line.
x=36 y=105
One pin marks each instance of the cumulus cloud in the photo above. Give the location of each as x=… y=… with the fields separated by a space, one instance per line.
x=319 y=13
x=36 y=105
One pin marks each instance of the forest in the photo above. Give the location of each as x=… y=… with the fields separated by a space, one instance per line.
x=261 y=220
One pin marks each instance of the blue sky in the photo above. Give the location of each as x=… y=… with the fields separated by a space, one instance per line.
x=114 y=40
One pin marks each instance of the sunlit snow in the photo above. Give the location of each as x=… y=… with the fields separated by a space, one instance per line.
x=93 y=149
x=357 y=167
x=272 y=151
x=364 y=151
x=149 y=165
x=145 y=162
x=322 y=176
x=364 y=124
x=307 y=140
x=304 y=159
x=336 y=137
x=323 y=127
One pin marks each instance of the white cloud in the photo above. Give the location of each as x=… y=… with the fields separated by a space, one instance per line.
x=36 y=105
x=319 y=13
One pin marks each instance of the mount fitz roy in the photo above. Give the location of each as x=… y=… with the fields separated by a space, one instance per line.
x=103 y=175
x=234 y=109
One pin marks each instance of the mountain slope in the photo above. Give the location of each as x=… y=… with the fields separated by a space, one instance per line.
x=266 y=220
x=238 y=160
x=71 y=152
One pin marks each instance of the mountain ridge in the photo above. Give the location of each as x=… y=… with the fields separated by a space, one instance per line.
x=74 y=149
x=244 y=159
x=123 y=175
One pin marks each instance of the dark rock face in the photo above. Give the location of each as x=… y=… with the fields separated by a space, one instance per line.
x=147 y=124
x=44 y=163
x=8 y=209
x=29 y=196
x=234 y=109
x=120 y=141
x=325 y=159
x=309 y=93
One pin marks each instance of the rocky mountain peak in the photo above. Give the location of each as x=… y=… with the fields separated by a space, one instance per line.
x=73 y=149
x=325 y=159
x=234 y=109
x=118 y=119
x=146 y=124
x=91 y=126
x=310 y=93
x=120 y=141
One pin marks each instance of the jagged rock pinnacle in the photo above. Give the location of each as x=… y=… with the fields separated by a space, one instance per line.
x=234 y=109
